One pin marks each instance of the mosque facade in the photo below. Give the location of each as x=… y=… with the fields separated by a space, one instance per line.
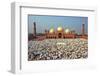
x=60 y=33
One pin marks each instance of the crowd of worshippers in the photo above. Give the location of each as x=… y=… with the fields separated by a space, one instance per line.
x=54 y=49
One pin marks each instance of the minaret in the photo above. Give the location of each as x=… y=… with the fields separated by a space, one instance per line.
x=34 y=29
x=83 y=27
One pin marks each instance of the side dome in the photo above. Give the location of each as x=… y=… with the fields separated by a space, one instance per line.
x=66 y=30
x=51 y=30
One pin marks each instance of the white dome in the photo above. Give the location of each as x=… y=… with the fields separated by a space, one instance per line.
x=59 y=29
x=66 y=30
x=51 y=30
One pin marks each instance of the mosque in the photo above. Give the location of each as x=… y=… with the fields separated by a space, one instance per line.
x=60 y=33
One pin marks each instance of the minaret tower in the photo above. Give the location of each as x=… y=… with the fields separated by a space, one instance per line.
x=83 y=27
x=34 y=29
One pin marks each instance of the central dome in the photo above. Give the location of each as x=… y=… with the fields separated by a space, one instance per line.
x=59 y=28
